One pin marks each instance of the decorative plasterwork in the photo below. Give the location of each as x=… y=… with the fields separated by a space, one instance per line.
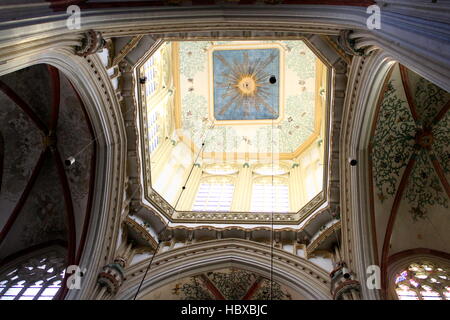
x=91 y=43
x=140 y=235
x=327 y=233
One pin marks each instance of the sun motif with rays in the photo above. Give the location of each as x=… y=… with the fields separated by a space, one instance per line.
x=247 y=85
x=242 y=90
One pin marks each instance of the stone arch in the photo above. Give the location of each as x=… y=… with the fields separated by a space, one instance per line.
x=299 y=274
x=91 y=82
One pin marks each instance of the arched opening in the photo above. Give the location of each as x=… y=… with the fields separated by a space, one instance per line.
x=36 y=275
x=44 y=198
x=419 y=274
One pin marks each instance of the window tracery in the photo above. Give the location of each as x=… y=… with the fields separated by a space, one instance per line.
x=423 y=280
x=151 y=71
x=36 y=278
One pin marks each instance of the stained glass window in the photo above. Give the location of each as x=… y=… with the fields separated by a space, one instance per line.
x=37 y=278
x=423 y=281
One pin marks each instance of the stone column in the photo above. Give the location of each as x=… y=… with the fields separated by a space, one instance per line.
x=343 y=284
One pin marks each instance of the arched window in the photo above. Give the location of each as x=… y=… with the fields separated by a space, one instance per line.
x=215 y=193
x=153 y=131
x=423 y=280
x=270 y=194
x=36 y=277
x=150 y=71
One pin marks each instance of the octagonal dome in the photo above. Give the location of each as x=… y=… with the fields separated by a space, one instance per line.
x=234 y=130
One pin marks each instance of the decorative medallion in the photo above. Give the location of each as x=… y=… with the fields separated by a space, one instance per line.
x=246 y=84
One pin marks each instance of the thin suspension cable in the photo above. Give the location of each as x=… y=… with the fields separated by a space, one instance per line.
x=167 y=223
x=151 y=260
x=211 y=127
x=148 y=268
x=271 y=230
x=204 y=138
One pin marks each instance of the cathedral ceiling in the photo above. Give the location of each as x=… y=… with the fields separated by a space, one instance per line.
x=182 y=88
x=239 y=97
x=410 y=164
x=237 y=103
x=43 y=123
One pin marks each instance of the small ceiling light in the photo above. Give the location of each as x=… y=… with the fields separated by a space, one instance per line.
x=346 y=273
x=273 y=79
x=353 y=162
x=69 y=161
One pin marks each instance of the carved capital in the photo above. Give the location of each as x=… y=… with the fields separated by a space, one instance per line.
x=91 y=43
x=111 y=277
x=343 y=286
x=348 y=44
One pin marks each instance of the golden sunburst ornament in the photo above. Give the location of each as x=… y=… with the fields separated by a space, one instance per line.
x=247 y=85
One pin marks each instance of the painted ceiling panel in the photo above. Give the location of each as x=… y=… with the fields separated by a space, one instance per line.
x=430 y=232
x=409 y=157
x=297 y=81
x=179 y=114
x=427 y=98
x=34 y=85
x=74 y=139
x=424 y=189
x=242 y=87
x=22 y=148
x=441 y=145
x=40 y=111
x=393 y=141
x=42 y=218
